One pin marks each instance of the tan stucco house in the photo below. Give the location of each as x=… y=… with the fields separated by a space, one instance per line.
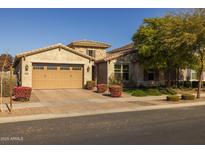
x=71 y=66
x=59 y=66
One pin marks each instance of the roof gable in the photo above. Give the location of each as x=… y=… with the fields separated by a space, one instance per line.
x=119 y=52
x=40 y=50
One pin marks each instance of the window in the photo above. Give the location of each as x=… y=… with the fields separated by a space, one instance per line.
x=125 y=72
x=194 y=76
x=91 y=53
x=51 y=67
x=117 y=70
x=38 y=67
x=121 y=71
x=150 y=75
x=64 y=68
x=76 y=68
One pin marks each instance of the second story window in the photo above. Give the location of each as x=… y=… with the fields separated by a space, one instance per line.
x=91 y=53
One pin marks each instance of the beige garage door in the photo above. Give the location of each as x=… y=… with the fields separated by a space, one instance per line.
x=52 y=76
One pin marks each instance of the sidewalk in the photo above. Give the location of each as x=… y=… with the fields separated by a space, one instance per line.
x=37 y=111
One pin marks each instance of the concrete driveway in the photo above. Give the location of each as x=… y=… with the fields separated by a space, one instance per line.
x=65 y=96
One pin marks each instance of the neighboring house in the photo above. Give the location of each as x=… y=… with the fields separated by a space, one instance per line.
x=59 y=66
x=122 y=63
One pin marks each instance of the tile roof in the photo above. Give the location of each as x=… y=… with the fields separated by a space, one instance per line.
x=39 y=50
x=89 y=43
x=118 y=52
x=129 y=46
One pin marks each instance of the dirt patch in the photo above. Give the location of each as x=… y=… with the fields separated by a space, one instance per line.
x=34 y=98
x=141 y=103
x=23 y=112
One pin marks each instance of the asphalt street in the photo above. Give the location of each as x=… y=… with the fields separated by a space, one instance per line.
x=167 y=126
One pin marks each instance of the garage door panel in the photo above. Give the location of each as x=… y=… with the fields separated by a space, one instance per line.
x=57 y=76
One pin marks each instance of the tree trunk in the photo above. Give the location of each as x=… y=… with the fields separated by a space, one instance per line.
x=200 y=76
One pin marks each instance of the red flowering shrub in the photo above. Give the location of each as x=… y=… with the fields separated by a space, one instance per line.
x=101 y=88
x=22 y=93
x=115 y=90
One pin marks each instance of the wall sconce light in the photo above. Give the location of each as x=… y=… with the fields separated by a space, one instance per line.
x=88 y=69
x=26 y=68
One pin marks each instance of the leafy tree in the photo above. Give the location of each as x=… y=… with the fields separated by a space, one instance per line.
x=8 y=59
x=173 y=41
x=160 y=47
x=195 y=28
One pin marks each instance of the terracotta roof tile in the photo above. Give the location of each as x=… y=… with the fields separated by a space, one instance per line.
x=89 y=43
x=118 y=52
x=39 y=50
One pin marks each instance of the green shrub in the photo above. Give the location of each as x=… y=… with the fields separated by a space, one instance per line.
x=127 y=90
x=6 y=86
x=150 y=91
x=188 y=97
x=180 y=84
x=171 y=91
x=138 y=92
x=167 y=91
x=153 y=92
x=187 y=84
x=90 y=85
x=173 y=98
x=195 y=84
x=115 y=81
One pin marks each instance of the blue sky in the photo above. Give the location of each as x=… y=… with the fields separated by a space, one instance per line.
x=26 y=29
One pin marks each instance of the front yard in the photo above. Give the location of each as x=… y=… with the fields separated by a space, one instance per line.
x=150 y=91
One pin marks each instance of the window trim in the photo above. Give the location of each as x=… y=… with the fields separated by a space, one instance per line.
x=192 y=76
x=93 y=53
x=52 y=68
x=122 y=72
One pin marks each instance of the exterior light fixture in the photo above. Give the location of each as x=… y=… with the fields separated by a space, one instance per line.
x=26 y=68
x=88 y=69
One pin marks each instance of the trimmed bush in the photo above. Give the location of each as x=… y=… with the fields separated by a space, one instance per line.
x=115 y=90
x=195 y=84
x=150 y=91
x=22 y=93
x=171 y=91
x=101 y=88
x=138 y=92
x=173 y=98
x=188 y=97
x=187 y=84
x=167 y=91
x=90 y=85
x=153 y=92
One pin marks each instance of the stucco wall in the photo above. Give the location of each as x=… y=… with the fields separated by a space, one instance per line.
x=100 y=53
x=136 y=71
x=186 y=74
x=54 y=56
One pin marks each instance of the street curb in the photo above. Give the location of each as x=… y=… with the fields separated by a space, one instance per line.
x=96 y=112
